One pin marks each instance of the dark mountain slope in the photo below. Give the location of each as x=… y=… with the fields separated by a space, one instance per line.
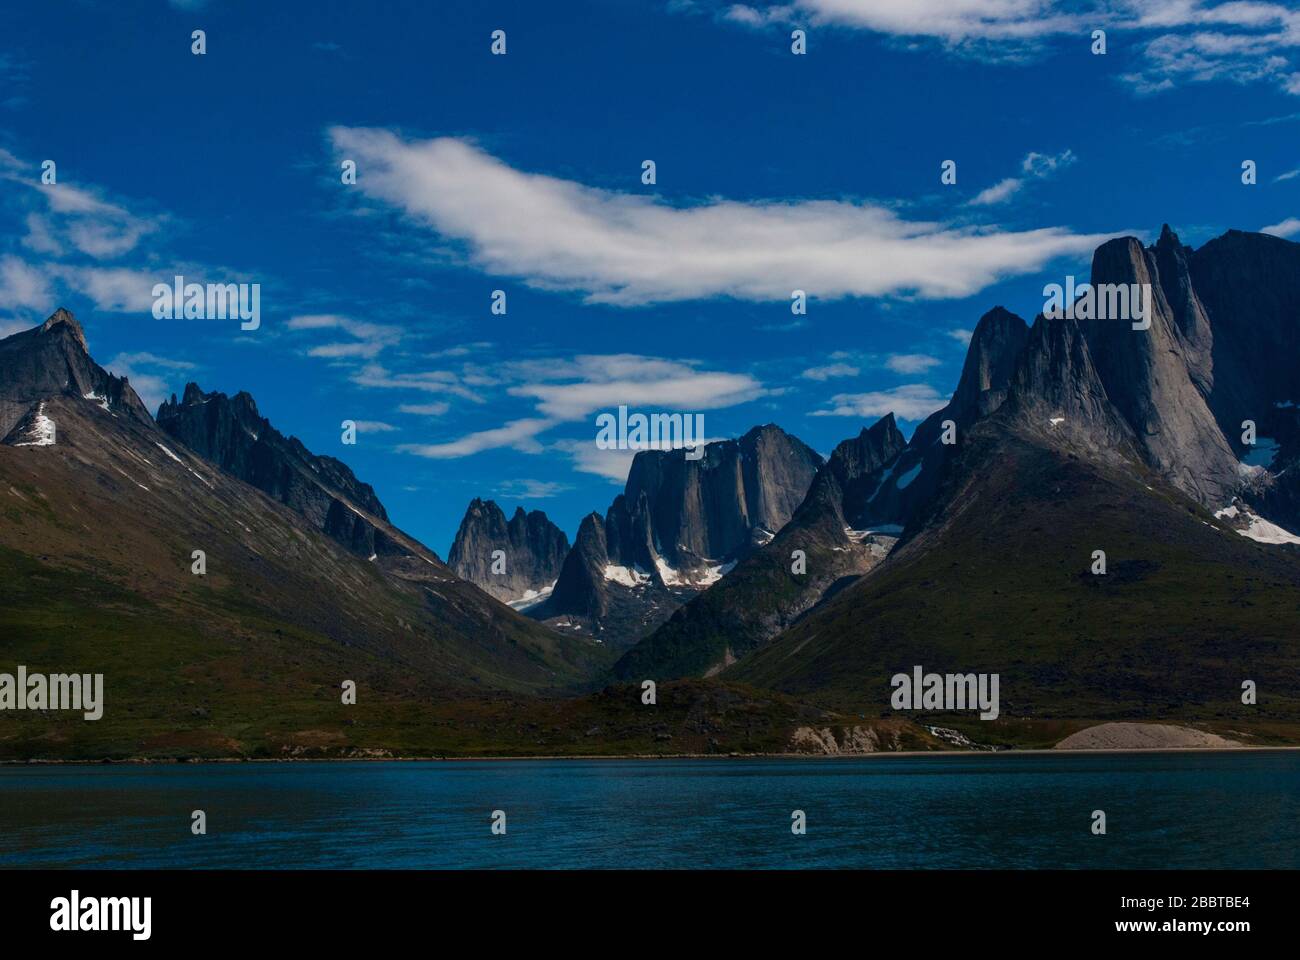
x=1000 y=582
x=104 y=521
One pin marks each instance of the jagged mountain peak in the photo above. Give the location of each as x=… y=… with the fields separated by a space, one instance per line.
x=52 y=360
x=63 y=320
x=532 y=551
x=230 y=432
x=994 y=348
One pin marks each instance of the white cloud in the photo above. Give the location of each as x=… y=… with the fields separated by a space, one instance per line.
x=1000 y=192
x=949 y=20
x=573 y=390
x=371 y=338
x=911 y=362
x=517 y=434
x=373 y=426
x=425 y=409
x=145 y=358
x=606 y=382
x=912 y=401
x=829 y=371
x=1035 y=166
x=1289 y=175
x=531 y=489
x=78 y=217
x=22 y=286
x=1287 y=228
x=112 y=289
x=961 y=335
x=429 y=381
x=629 y=249
x=1176 y=40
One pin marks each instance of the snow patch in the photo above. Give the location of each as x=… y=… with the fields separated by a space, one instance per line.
x=713 y=574
x=667 y=574
x=102 y=402
x=627 y=576
x=1055 y=420
x=531 y=598
x=169 y=453
x=40 y=433
x=1256 y=528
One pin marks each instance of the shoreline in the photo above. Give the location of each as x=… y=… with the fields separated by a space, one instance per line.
x=1052 y=751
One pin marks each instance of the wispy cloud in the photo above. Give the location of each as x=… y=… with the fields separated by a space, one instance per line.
x=628 y=249
x=1287 y=228
x=911 y=362
x=424 y=409
x=427 y=381
x=829 y=371
x=374 y=426
x=1035 y=166
x=912 y=401
x=369 y=339
x=531 y=489
x=571 y=390
x=22 y=286
x=1176 y=41
x=517 y=434
x=62 y=218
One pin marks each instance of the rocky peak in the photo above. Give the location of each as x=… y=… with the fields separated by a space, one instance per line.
x=1147 y=374
x=706 y=509
x=1188 y=313
x=533 y=551
x=581 y=588
x=231 y=433
x=995 y=347
x=62 y=321
x=52 y=360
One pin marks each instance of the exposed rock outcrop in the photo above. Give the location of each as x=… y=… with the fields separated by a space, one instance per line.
x=532 y=550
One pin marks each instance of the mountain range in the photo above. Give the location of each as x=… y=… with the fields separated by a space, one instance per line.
x=770 y=592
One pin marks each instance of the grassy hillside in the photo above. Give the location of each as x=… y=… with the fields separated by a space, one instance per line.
x=1001 y=584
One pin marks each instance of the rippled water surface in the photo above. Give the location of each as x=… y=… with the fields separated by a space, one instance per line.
x=1162 y=810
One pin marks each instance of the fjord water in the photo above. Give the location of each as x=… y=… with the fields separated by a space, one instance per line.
x=1193 y=810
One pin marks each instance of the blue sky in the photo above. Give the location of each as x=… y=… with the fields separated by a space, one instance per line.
x=523 y=173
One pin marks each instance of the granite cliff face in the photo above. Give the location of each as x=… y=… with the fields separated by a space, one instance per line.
x=532 y=551
x=677 y=528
